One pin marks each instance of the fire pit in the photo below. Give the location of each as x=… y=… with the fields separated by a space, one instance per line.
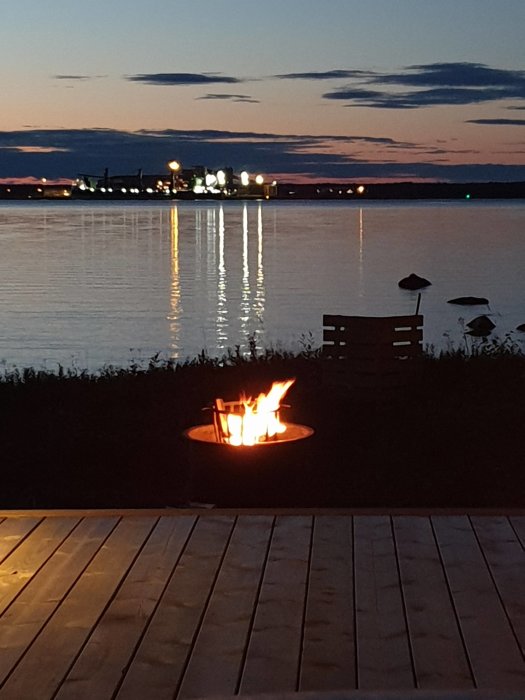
x=250 y=422
x=228 y=466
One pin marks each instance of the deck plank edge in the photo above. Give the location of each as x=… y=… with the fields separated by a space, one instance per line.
x=141 y=512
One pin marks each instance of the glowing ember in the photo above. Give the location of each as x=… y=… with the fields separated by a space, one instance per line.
x=251 y=421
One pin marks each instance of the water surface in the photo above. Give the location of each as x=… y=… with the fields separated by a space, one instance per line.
x=98 y=284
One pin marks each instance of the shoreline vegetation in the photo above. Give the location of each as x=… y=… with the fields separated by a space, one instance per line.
x=451 y=438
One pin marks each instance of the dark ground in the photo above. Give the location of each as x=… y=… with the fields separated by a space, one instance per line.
x=452 y=439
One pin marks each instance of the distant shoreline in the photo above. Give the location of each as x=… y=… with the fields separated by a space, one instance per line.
x=289 y=191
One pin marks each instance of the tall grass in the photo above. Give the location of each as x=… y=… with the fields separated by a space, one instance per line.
x=73 y=438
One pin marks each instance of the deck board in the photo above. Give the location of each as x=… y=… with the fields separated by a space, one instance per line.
x=13 y=531
x=506 y=560
x=272 y=661
x=518 y=524
x=437 y=647
x=383 y=650
x=178 y=604
x=328 y=659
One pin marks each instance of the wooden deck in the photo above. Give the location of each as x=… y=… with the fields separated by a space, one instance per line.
x=151 y=605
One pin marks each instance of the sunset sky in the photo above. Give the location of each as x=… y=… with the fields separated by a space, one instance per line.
x=297 y=89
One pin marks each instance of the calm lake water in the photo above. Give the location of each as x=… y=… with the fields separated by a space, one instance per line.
x=89 y=285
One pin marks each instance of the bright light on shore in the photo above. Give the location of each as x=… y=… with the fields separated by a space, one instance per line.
x=174 y=165
x=245 y=179
x=259 y=179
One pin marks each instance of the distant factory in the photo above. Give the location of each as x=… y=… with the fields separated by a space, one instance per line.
x=176 y=183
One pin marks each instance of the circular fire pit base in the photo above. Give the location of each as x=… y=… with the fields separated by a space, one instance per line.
x=206 y=433
x=249 y=476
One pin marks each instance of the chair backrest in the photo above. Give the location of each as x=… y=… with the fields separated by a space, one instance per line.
x=371 y=352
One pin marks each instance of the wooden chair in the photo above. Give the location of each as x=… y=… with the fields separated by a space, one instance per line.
x=371 y=356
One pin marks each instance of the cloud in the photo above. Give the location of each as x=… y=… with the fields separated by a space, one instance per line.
x=31 y=180
x=225 y=96
x=497 y=122
x=72 y=77
x=78 y=77
x=297 y=139
x=325 y=75
x=66 y=153
x=34 y=149
x=415 y=100
x=370 y=98
x=454 y=75
x=183 y=78
x=433 y=84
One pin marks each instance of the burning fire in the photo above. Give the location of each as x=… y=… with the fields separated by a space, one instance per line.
x=250 y=421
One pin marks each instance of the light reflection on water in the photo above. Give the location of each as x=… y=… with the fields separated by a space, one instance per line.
x=103 y=284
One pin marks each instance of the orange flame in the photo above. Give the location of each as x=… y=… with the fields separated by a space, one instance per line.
x=258 y=419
